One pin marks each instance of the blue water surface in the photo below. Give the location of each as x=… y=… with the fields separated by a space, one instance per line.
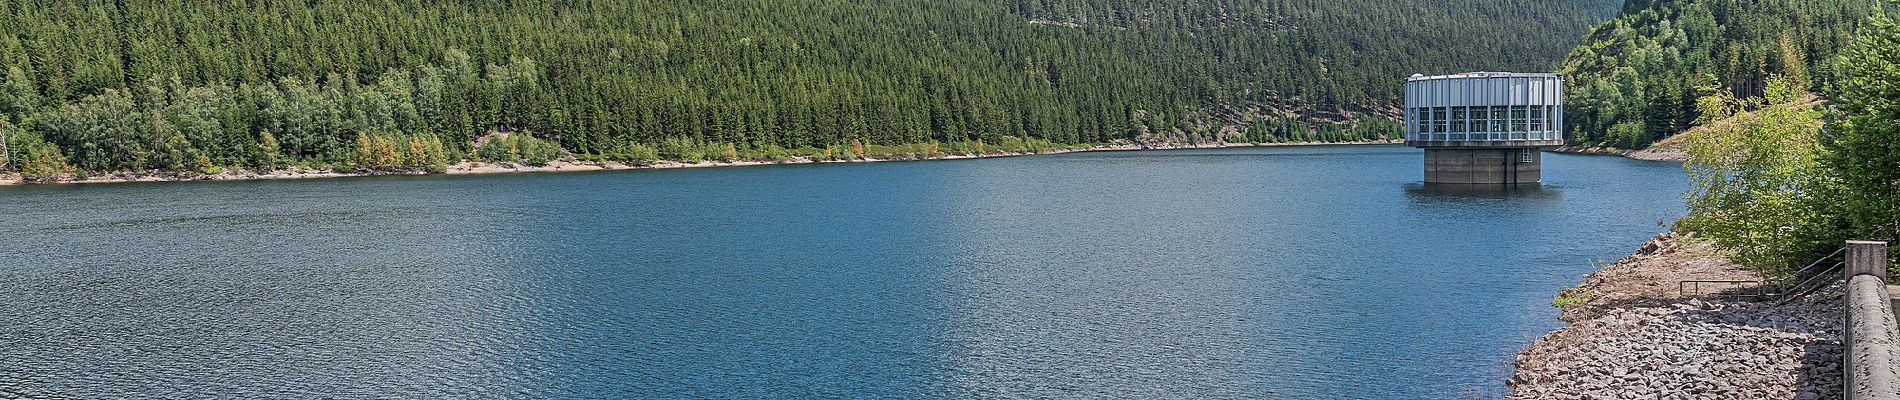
x=1289 y=272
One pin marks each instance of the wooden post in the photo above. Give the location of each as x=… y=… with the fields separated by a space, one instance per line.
x=1867 y=258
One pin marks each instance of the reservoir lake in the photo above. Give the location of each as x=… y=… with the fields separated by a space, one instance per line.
x=1273 y=272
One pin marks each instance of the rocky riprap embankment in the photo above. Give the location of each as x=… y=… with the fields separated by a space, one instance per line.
x=1636 y=338
x=1656 y=153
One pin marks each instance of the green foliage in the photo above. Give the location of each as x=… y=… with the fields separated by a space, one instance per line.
x=693 y=151
x=1627 y=134
x=264 y=156
x=633 y=152
x=141 y=84
x=35 y=158
x=1021 y=144
x=202 y=164
x=519 y=148
x=1759 y=188
x=1650 y=65
x=964 y=147
x=18 y=99
x=428 y=152
x=1866 y=129
x=729 y=153
x=1288 y=129
x=1572 y=296
x=1369 y=128
x=393 y=152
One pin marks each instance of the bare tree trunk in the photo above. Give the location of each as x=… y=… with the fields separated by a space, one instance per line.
x=6 y=153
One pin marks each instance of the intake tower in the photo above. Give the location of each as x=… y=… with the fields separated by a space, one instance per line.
x=1484 y=127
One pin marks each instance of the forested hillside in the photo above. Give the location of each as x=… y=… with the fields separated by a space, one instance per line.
x=1637 y=78
x=132 y=85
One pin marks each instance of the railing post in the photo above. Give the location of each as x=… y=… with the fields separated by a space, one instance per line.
x=1867 y=258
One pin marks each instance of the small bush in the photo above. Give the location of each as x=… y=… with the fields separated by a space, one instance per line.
x=689 y=150
x=808 y=152
x=1571 y=296
x=729 y=153
x=519 y=148
x=632 y=152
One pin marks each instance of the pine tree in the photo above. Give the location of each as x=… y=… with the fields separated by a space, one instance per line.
x=317 y=75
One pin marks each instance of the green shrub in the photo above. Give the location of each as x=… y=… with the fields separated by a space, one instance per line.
x=37 y=159
x=688 y=150
x=1758 y=187
x=266 y=154
x=519 y=148
x=1571 y=296
x=729 y=153
x=1627 y=135
x=813 y=153
x=637 y=153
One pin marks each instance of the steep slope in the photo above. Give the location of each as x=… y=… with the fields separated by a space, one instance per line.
x=1637 y=77
x=135 y=84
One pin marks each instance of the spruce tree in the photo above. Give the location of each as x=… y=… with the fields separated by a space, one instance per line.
x=1866 y=129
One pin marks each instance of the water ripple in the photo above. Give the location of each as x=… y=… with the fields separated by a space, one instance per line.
x=1322 y=272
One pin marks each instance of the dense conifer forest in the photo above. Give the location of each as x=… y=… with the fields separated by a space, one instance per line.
x=1638 y=77
x=139 y=85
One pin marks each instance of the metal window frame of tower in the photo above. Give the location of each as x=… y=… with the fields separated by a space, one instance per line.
x=1510 y=102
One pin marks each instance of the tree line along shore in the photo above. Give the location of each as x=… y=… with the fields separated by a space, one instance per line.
x=572 y=164
x=136 y=86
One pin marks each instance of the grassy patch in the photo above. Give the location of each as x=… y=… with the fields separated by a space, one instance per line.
x=1575 y=295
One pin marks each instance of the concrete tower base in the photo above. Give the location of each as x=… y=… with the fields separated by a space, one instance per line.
x=1508 y=165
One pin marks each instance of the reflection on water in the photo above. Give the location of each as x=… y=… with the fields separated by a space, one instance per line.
x=1443 y=191
x=1309 y=272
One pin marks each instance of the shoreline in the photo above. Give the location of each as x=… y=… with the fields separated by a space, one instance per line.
x=482 y=168
x=1648 y=154
x=1630 y=333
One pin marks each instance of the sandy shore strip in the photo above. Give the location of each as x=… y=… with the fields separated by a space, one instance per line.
x=1631 y=334
x=1649 y=154
x=468 y=168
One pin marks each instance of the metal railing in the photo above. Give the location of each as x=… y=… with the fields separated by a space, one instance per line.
x=1725 y=288
x=1800 y=282
x=1814 y=279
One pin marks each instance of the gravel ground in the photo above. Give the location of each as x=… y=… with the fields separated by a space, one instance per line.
x=1636 y=337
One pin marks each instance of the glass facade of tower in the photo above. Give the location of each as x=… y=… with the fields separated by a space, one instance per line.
x=1484 y=109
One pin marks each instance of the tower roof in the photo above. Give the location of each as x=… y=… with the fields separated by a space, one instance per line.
x=1483 y=74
